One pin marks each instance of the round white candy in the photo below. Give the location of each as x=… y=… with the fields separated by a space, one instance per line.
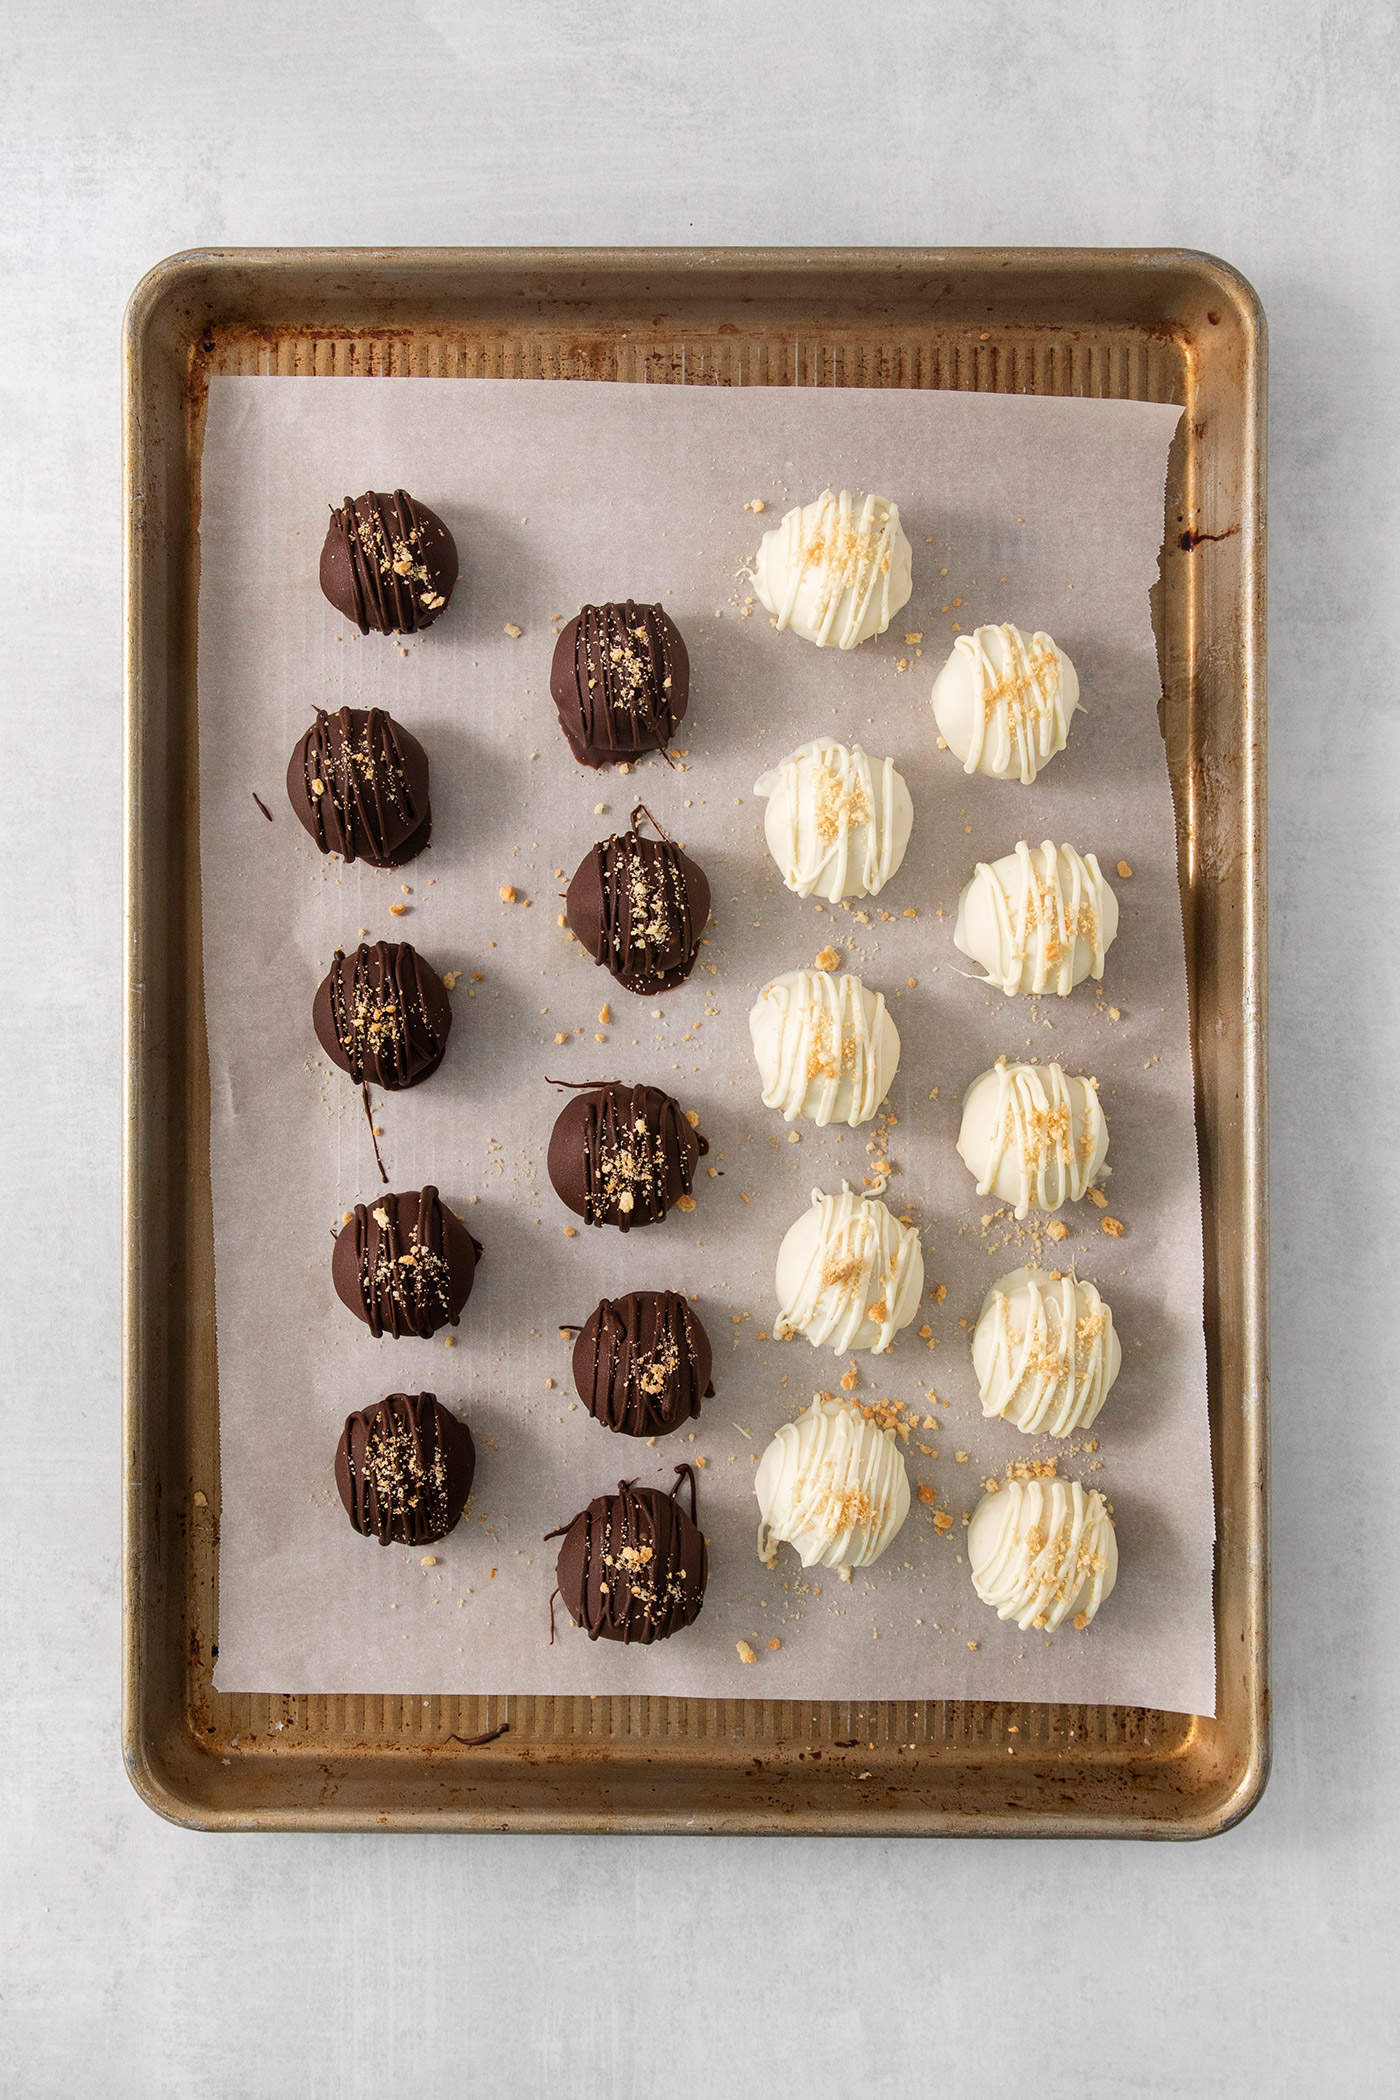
x=1033 y=1134
x=1040 y=919
x=849 y=1274
x=1041 y=1552
x=1003 y=704
x=831 y=1484
x=826 y=1047
x=1045 y=1352
x=837 y=822
x=835 y=571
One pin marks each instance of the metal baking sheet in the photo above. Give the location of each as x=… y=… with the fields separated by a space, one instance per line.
x=1155 y=326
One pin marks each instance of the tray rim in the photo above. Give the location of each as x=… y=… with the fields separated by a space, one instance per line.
x=185 y=271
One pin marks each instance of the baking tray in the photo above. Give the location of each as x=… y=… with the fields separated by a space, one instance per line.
x=1132 y=324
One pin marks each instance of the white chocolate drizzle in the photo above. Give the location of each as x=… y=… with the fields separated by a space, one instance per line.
x=1020 y=710
x=1043 y=1551
x=1033 y=1134
x=1052 y=917
x=837 y=821
x=832 y=1485
x=835 y=574
x=1045 y=1352
x=850 y=1275
x=826 y=1048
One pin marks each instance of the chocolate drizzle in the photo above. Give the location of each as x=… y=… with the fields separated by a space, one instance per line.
x=639 y=906
x=404 y=1469
x=382 y=1015
x=388 y=563
x=642 y=1363
x=405 y=1265
x=620 y=680
x=358 y=782
x=633 y=1566
x=622 y=1155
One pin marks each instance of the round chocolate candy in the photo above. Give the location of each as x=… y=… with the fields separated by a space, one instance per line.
x=639 y=906
x=405 y=1265
x=388 y=563
x=404 y=1469
x=633 y=1565
x=359 y=784
x=620 y=680
x=622 y=1155
x=642 y=1363
x=382 y=1014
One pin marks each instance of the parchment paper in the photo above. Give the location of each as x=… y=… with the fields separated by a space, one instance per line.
x=1046 y=512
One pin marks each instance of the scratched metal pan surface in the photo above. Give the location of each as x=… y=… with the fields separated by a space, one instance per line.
x=1141 y=325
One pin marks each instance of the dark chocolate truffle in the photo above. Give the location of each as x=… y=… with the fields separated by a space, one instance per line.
x=620 y=680
x=622 y=1155
x=382 y=1015
x=404 y=1469
x=639 y=906
x=388 y=563
x=405 y=1264
x=633 y=1565
x=359 y=784
x=642 y=1363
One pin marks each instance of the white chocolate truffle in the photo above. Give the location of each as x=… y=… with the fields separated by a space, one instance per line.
x=835 y=571
x=1032 y=1134
x=849 y=1274
x=1003 y=704
x=837 y=822
x=1041 y=1552
x=826 y=1047
x=1045 y=1352
x=831 y=1484
x=1040 y=919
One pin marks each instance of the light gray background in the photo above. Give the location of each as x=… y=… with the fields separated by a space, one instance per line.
x=139 y=1960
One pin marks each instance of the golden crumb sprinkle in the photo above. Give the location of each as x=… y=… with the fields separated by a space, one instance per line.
x=396 y=911
x=744 y=1652
x=774 y=1645
x=1114 y=1227
x=604 y=1013
x=571 y=1232
x=449 y=1341
x=828 y=959
x=927 y=1494
x=560 y=1037
x=513 y=630
x=507 y=893
x=1081 y=1620
x=973 y=1646
x=429 y=1560
x=686 y=1203
x=1097 y=1196
x=755 y=503
x=1057 y=1229
x=1124 y=870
